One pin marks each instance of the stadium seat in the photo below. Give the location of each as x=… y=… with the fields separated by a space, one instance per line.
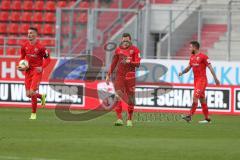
x=5 y=5
x=70 y=4
x=61 y=4
x=27 y=5
x=49 y=29
x=15 y=16
x=16 y=5
x=48 y=41
x=83 y=18
x=1 y=51
x=24 y=28
x=39 y=27
x=26 y=17
x=50 y=17
x=39 y=5
x=50 y=6
x=11 y=51
x=12 y=40
x=3 y=28
x=4 y=16
x=84 y=4
x=38 y=17
x=22 y=40
x=1 y=40
x=13 y=28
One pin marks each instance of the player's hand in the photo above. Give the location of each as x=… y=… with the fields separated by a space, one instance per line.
x=21 y=69
x=217 y=81
x=128 y=60
x=180 y=74
x=107 y=79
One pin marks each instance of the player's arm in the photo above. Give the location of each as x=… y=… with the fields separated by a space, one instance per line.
x=187 y=69
x=113 y=66
x=136 y=58
x=213 y=74
x=46 y=56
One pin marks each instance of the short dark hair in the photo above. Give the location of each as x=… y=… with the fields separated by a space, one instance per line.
x=126 y=35
x=195 y=44
x=33 y=28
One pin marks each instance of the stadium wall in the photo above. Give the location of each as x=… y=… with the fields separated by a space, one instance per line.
x=155 y=91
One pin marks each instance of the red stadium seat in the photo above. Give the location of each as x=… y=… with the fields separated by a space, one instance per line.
x=16 y=5
x=26 y=17
x=50 y=6
x=70 y=4
x=28 y=5
x=1 y=40
x=62 y=4
x=5 y=5
x=83 y=18
x=3 y=28
x=24 y=28
x=4 y=16
x=38 y=17
x=49 y=29
x=48 y=42
x=39 y=27
x=11 y=51
x=13 y=28
x=39 y=5
x=50 y=17
x=1 y=51
x=15 y=16
x=22 y=40
x=12 y=40
x=84 y=4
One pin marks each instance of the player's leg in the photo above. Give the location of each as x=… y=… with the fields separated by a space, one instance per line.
x=188 y=118
x=204 y=103
x=118 y=86
x=130 y=94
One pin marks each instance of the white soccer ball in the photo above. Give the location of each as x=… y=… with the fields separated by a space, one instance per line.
x=23 y=64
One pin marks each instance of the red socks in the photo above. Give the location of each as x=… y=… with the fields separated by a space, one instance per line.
x=34 y=103
x=39 y=96
x=118 y=109
x=205 y=110
x=194 y=108
x=130 y=112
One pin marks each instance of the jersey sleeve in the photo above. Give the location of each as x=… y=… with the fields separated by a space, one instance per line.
x=114 y=63
x=206 y=60
x=46 y=56
x=136 y=58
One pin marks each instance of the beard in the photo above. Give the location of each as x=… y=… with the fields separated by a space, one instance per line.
x=193 y=52
x=125 y=44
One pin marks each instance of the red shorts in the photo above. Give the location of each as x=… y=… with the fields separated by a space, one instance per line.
x=199 y=88
x=32 y=79
x=126 y=86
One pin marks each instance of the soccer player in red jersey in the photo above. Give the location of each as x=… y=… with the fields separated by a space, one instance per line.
x=126 y=59
x=38 y=58
x=199 y=62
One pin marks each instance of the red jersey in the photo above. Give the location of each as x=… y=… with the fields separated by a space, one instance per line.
x=199 y=62
x=119 y=58
x=34 y=54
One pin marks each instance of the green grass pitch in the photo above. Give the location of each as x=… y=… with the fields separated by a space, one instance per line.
x=49 y=138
